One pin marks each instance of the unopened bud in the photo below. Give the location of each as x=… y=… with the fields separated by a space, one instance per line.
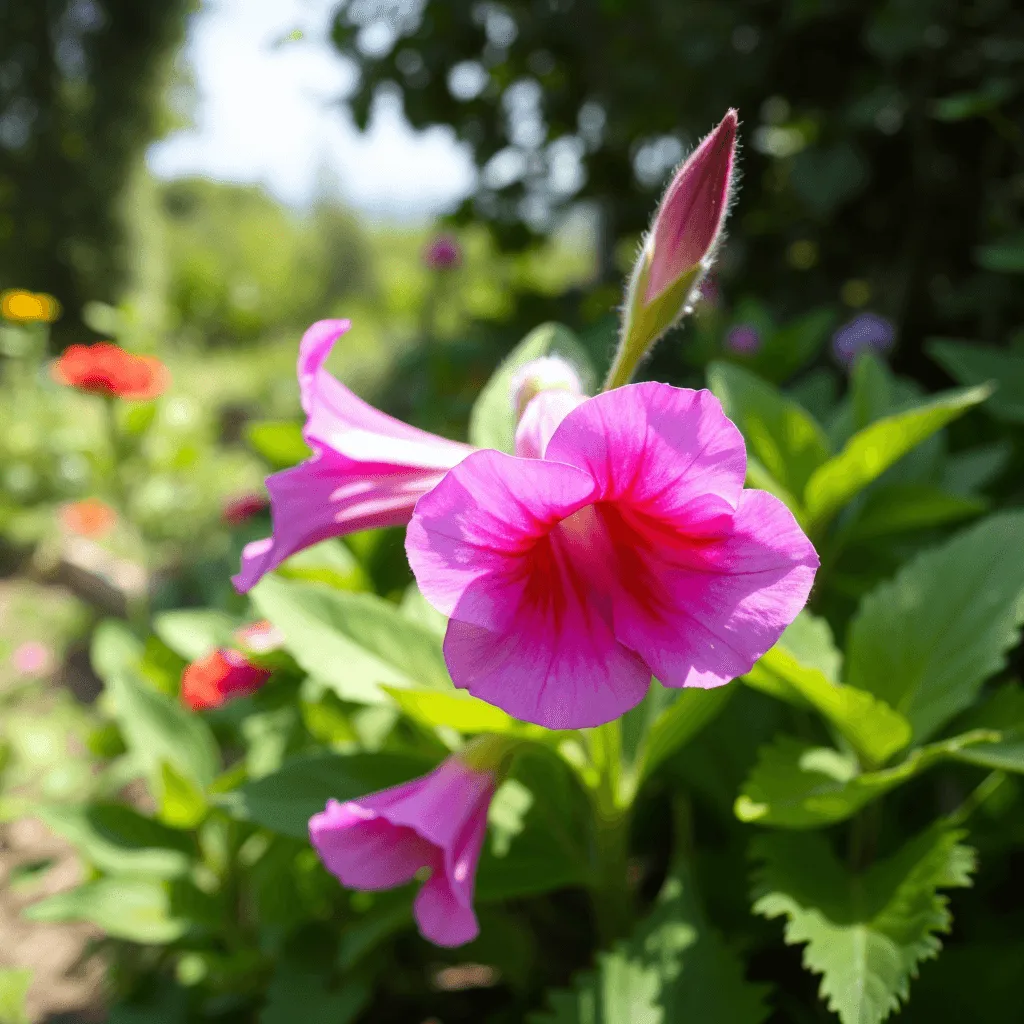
x=549 y=373
x=679 y=249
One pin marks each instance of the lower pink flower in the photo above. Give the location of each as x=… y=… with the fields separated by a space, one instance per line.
x=630 y=548
x=367 y=469
x=437 y=822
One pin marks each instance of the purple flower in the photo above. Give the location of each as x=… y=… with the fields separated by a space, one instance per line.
x=744 y=339
x=442 y=252
x=865 y=332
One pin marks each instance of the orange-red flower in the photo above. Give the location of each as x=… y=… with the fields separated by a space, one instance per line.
x=215 y=679
x=88 y=518
x=107 y=369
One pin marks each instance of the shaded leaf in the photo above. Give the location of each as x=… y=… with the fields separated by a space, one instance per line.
x=195 y=633
x=969 y=363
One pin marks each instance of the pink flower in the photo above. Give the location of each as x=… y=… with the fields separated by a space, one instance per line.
x=629 y=549
x=442 y=252
x=437 y=822
x=32 y=659
x=367 y=469
x=690 y=217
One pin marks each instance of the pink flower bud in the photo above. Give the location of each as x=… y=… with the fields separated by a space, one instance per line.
x=442 y=252
x=689 y=221
x=549 y=373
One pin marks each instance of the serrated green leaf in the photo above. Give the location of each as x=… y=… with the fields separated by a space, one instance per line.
x=355 y=642
x=285 y=800
x=969 y=363
x=1003 y=713
x=492 y=422
x=194 y=633
x=780 y=435
x=675 y=968
x=926 y=641
x=157 y=730
x=124 y=908
x=119 y=841
x=865 y=934
x=871 y=451
x=798 y=785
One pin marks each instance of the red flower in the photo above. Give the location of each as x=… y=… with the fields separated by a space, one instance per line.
x=239 y=510
x=215 y=679
x=88 y=518
x=106 y=369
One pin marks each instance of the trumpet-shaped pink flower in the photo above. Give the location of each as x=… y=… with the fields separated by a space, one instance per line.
x=436 y=822
x=367 y=469
x=629 y=549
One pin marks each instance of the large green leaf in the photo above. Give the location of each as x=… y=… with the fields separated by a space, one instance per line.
x=120 y=841
x=125 y=908
x=899 y=508
x=193 y=633
x=798 y=785
x=492 y=422
x=780 y=435
x=158 y=730
x=969 y=363
x=866 y=933
x=298 y=991
x=355 y=642
x=285 y=800
x=675 y=968
x=926 y=641
x=871 y=451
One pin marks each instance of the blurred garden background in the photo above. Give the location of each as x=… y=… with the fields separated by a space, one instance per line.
x=200 y=181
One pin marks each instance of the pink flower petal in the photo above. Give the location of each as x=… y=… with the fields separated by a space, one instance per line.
x=707 y=610
x=540 y=420
x=441 y=918
x=661 y=448
x=365 y=851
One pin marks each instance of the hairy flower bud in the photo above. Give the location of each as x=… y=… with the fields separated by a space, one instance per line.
x=679 y=248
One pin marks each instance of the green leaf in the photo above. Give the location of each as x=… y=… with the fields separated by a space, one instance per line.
x=874 y=449
x=492 y=422
x=115 y=648
x=926 y=641
x=1005 y=256
x=285 y=801
x=780 y=435
x=195 y=633
x=329 y=562
x=458 y=710
x=298 y=991
x=673 y=969
x=355 y=642
x=119 y=841
x=899 y=508
x=969 y=363
x=677 y=717
x=182 y=802
x=1004 y=714
x=970 y=471
x=124 y=908
x=281 y=444
x=865 y=934
x=14 y=985
x=874 y=729
x=798 y=785
x=157 y=729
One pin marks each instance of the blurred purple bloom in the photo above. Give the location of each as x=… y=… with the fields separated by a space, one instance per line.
x=32 y=659
x=744 y=339
x=865 y=332
x=442 y=252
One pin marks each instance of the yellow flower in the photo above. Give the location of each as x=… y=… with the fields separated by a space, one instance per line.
x=23 y=307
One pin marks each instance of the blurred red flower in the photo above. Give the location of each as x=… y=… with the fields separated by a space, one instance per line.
x=107 y=369
x=215 y=679
x=239 y=510
x=88 y=518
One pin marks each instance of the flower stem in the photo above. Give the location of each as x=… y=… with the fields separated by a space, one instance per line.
x=613 y=910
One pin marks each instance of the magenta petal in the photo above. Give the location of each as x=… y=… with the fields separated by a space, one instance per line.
x=723 y=603
x=365 y=851
x=441 y=918
x=660 y=447
x=483 y=515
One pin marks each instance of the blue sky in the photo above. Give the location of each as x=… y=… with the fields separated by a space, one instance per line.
x=271 y=114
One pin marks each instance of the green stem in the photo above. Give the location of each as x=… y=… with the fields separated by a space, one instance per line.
x=613 y=910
